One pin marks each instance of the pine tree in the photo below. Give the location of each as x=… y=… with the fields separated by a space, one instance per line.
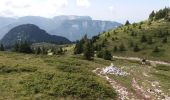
x=122 y=47
x=150 y=40
x=22 y=47
x=136 y=48
x=115 y=49
x=163 y=13
x=131 y=44
x=108 y=35
x=156 y=49
x=152 y=15
x=132 y=33
x=25 y=47
x=16 y=47
x=79 y=47
x=143 y=39
x=43 y=51
x=2 y=47
x=60 y=51
x=100 y=54
x=107 y=55
x=88 y=50
x=127 y=23
x=113 y=39
x=165 y=40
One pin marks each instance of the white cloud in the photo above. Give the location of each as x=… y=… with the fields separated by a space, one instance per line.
x=111 y=8
x=44 y=8
x=83 y=3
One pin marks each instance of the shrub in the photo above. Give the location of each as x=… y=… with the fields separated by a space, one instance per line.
x=122 y=47
x=143 y=39
x=163 y=67
x=165 y=40
x=107 y=55
x=136 y=48
x=100 y=54
x=115 y=49
x=156 y=49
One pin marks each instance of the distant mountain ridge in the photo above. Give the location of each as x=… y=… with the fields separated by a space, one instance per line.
x=71 y=27
x=32 y=34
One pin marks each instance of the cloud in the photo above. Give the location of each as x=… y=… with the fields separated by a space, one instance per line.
x=111 y=8
x=83 y=3
x=6 y=12
x=44 y=8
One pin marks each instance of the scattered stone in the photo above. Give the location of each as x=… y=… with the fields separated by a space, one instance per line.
x=113 y=70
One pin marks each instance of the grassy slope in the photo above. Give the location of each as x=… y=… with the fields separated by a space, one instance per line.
x=44 y=77
x=69 y=77
x=123 y=35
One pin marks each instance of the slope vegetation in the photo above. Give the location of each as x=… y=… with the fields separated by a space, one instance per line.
x=147 y=39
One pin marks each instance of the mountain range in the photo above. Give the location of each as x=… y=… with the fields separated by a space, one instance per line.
x=71 y=27
x=32 y=34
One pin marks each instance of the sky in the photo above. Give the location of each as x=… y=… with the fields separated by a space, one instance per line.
x=112 y=10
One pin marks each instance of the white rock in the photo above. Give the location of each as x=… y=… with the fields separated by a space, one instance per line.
x=113 y=70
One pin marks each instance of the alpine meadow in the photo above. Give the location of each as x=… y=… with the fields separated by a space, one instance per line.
x=84 y=50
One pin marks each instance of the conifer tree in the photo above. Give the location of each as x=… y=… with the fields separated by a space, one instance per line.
x=152 y=15
x=150 y=40
x=115 y=49
x=107 y=55
x=80 y=45
x=88 y=50
x=16 y=47
x=127 y=23
x=60 y=51
x=156 y=49
x=2 y=47
x=100 y=54
x=122 y=47
x=22 y=47
x=136 y=48
x=143 y=39
x=165 y=40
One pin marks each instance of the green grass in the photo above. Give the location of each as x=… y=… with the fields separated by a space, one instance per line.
x=163 y=67
x=25 y=76
x=123 y=35
x=68 y=77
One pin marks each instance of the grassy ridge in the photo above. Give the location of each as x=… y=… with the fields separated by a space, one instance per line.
x=130 y=36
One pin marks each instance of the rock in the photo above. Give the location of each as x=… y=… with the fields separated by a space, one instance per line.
x=113 y=70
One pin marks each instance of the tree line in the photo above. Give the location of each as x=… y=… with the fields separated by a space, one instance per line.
x=86 y=47
x=25 y=47
x=162 y=13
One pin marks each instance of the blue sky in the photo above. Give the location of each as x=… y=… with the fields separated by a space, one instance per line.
x=115 y=10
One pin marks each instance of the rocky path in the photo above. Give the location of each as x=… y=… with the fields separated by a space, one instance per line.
x=123 y=93
x=140 y=93
x=139 y=59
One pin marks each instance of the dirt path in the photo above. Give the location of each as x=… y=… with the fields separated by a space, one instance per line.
x=139 y=59
x=123 y=93
x=141 y=93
